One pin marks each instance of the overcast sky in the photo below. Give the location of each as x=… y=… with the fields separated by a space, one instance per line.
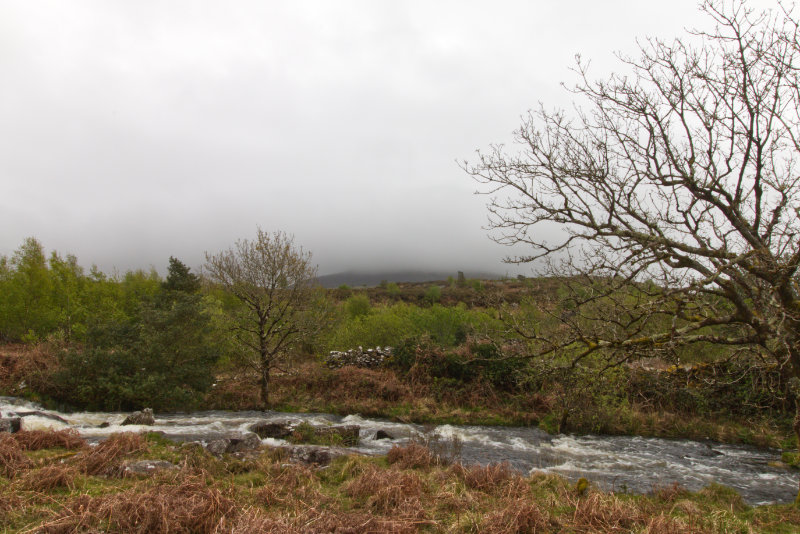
x=132 y=131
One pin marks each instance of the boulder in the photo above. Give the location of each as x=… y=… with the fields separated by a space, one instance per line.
x=245 y=443
x=104 y=424
x=217 y=447
x=146 y=467
x=382 y=434
x=277 y=430
x=145 y=417
x=310 y=455
x=10 y=424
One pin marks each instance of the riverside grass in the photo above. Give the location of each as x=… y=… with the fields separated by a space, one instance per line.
x=410 y=490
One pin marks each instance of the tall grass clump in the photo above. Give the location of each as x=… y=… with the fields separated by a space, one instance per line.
x=34 y=440
x=12 y=458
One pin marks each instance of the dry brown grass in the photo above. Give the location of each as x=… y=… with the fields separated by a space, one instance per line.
x=670 y=493
x=600 y=512
x=662 y=524
x=518 y=516
x=50 y=477
x=34 y=440
x=288 y=484
x=9 y=502
x=188 y=505
x=251 y=522
x=358 y=523
x=389 y=492
x=33 y=364
x=411 y=456
x=104 y=459
x=12 y=460
x=493 y=478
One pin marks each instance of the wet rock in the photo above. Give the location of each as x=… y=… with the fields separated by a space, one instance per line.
x=42 y=414
x=276 y=430
x=144 y=417
x=218 y=447
x=314 y=455
x=104 y=424
x=246 y=443
x=382 y=434
x=10 y=424
x=146 y=467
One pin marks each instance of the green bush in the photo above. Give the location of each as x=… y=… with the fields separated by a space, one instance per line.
x=433 y=294
x=478 y=362
x=163 y=358
x=391 y=325
x=357 y=306
x=392 y=289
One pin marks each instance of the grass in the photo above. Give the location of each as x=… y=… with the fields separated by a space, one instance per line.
x=408 y=491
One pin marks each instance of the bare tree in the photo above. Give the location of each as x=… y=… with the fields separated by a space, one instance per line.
x=275 y=282
x=682 y=173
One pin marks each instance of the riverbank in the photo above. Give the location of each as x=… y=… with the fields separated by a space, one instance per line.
x=54 y=489
x=382 y=394
x=419 y=398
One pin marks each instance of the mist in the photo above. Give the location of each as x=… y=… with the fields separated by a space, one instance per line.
x=131 y=132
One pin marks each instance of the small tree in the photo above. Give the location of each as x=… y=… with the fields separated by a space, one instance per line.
x=179 y=278
x=678 y=193
x=275 y=282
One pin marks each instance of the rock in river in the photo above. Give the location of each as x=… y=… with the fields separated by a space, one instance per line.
x=145 y=417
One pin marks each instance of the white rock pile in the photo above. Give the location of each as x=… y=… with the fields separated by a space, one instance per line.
x=370 y=358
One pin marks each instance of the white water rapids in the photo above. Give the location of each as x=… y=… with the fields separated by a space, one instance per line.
x=617 y=463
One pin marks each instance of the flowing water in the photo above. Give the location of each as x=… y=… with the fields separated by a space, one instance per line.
x=617 y=463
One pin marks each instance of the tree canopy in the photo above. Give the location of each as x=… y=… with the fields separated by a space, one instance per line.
x=275 y=282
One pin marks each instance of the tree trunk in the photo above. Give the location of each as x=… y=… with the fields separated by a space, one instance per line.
x=797 y=433
x=265 y=361
x=264 y=387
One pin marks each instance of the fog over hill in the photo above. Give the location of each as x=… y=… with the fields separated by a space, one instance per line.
x=373 y=278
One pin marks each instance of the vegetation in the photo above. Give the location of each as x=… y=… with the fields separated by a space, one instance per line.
x=55 y=483
x=163 y=343
x=274 y=281
x=676 y=195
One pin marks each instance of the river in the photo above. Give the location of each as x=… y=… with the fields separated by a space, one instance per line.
x=616 y=463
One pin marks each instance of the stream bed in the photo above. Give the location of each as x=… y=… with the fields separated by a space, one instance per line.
x=615 y=463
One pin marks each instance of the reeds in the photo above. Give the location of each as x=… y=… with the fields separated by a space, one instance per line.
x=289 y=483
x=189 y=506
x=411 y=456
x=34 y=440
x=12 y=458
x=489 y=478
x=389 y=492
x=518 y=516
x=105 y=457
x=49 y=478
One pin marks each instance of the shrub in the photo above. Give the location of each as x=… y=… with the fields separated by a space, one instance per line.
x=433 y=294
x=482 y=361
x=357 y=306
x=392 y=289
x=163 y=358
